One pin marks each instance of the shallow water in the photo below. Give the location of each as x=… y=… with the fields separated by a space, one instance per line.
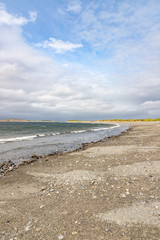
x=20 y=140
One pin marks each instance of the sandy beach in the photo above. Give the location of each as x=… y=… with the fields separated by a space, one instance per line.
x=107 y=190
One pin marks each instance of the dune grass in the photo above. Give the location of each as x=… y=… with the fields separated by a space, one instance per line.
x=119 y=120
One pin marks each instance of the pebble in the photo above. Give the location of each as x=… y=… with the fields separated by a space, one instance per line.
x=7 y=167
x=127 y=191
x=38 y=229
x=60 y=237
x=42 y=206
x=28 y=227
x=43 y=188
x=123 y=195
x=106 y=229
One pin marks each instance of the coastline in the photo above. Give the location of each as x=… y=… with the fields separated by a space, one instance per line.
x=106 y=190
x=45 y=144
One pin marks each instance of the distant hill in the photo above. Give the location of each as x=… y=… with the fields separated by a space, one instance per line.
x=14 y=120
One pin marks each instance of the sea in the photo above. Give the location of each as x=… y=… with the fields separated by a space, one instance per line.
x=21 y=140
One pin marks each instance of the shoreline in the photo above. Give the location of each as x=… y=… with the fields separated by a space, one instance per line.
x=8 y=166
x=14 y=162
x=107 y=190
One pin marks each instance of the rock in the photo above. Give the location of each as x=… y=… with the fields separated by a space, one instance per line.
x=123 y=195
x=127 y=191
x=7 y=166
x=60 y=237
x=42 y=206
x=38 y=229
x=27 y=228
x=35 y=157
x=106 y=230
x=43 y=188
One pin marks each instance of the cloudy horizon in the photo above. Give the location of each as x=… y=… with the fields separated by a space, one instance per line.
x=77 y=59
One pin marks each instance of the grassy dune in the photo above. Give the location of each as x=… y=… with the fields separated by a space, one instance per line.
x=119 y=120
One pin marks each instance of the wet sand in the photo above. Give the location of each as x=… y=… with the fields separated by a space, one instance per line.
x=107 y=190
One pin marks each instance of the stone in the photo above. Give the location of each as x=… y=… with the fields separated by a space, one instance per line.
x=123 y=195
x=60 y=237
x=106 y=230
x=43 y=188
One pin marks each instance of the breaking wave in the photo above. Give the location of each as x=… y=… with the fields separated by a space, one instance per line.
x=29 y=138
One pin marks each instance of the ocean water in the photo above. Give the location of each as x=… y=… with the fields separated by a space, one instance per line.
x=20 y=140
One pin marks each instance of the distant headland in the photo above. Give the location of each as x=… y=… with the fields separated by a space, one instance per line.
x=24 y=120
x=14 y=120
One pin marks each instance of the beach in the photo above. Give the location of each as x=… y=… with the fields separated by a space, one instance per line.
x=105 y=190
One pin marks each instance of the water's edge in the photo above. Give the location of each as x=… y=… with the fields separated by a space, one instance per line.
x=9 y=165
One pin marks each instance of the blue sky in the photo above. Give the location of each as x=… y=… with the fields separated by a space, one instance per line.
x=79 y=59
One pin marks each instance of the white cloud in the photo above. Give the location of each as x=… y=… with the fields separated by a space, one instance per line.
x=59 y=45
x=33 y=16
x=151 y=108
x=32 y=85
x=8 y=19
x=151 y=104
x=74 y=6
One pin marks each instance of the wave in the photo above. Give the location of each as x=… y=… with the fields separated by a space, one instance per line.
x=79 y=131
x=27 y=138
x=17 y=139
x=107 y=128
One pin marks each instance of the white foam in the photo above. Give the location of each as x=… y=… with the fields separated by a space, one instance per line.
x=17 y=139
x=40 y=135
x=107 y=128
x=80 y=131
x=96 y=129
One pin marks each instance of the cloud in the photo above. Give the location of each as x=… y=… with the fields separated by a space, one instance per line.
x=59 y=45
x=122 y=33
x=33 y=16
x=152 y=107
x=35 y=86
x=8 y=19
x=74 y=6
x=153 y=104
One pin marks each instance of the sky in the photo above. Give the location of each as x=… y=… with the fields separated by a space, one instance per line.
x=79 y=59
